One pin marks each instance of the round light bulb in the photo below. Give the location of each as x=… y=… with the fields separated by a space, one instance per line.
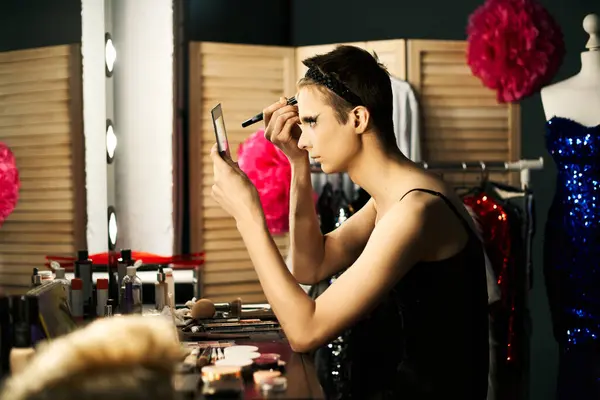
x=112 y=228
x=110 y=54
x=111 y=142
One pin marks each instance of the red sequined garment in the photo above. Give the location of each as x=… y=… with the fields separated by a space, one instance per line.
x=496 y=235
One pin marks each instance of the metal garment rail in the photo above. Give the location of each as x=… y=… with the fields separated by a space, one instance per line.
x=524 y=166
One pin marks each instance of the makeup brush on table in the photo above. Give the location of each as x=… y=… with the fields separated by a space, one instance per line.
x=206 y=309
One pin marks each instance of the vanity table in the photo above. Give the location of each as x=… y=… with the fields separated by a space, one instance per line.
x=302 y=382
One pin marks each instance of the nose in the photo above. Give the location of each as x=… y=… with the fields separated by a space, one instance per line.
x=303 y=141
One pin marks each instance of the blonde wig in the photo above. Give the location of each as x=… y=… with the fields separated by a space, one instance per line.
x=130 y=357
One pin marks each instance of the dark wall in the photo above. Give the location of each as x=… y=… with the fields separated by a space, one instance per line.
x=353 y=20
x=261 y=22
x=238 y=21
x=26 y=24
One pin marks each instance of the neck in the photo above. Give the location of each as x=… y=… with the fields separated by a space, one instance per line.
x=377 y=171
x=590 y=65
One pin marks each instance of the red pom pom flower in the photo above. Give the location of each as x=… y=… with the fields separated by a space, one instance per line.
x=269 y=170
x=9 y=182
x=514 y=46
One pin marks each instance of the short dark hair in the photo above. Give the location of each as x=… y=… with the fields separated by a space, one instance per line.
x=362 y=73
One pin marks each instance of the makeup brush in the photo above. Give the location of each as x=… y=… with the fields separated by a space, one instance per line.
x=205 y=308
x=234 y=308
x=259 y=117
x=204 y=358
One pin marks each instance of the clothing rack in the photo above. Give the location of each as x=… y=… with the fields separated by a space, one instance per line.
x=523 y=165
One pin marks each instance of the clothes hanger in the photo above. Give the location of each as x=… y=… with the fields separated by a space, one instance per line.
x=475 y=189
x=464 y=188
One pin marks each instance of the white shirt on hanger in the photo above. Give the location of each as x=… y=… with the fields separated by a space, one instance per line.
x=405 y=115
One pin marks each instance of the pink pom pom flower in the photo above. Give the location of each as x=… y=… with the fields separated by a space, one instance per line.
x=514 y=46
x=268 y=168
x=9 y=182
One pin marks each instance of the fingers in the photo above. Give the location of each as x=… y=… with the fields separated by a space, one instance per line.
x=278 y=121
x=220 y=164
x=286 y=132
x=283 y=126
x=218 y=158
x=268 y=112
x=214 y=154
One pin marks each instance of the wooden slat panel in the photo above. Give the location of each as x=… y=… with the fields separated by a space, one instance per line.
x=233 y=289
x=392 y=54
x=461 y=118
x=40 y=120
x=245 y=79
x=257 y=297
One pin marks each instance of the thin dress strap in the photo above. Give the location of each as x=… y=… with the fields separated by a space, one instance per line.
x=448 y=203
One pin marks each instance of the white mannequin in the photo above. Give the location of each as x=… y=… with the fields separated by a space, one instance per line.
x=578 y=97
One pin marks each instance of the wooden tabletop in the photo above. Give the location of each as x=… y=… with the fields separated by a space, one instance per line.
x=302 y=381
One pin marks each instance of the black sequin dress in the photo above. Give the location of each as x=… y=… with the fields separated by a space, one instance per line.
x=572 y=256
x=428 y=339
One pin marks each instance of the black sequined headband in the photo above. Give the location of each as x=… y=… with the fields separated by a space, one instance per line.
x=332 y=83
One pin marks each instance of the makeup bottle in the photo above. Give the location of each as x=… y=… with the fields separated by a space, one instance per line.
x=160 y=290
x=170 y=281
x=124 y=261
x=131 y=293
x=36 y=279
x=60 y=276
x=22 y=349
x=101 y=296
x=77 y=299
x=113 y=276
x=5 y=336
x=108 y=308
x=83 y=270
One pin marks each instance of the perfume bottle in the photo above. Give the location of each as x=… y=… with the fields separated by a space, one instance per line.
x=161 y=291
x=131 y=293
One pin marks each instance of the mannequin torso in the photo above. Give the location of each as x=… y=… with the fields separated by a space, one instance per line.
x=578 y=98
x=572 y=233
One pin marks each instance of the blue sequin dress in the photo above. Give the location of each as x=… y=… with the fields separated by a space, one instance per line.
x=572 y=256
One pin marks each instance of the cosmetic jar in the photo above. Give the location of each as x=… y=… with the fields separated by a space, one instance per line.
x=244 y=364
x=221 y=381
x=267 y=361
x=240 y=350
x=276 y=384
x=46 y=276
x=211 y=373
x=260 y=376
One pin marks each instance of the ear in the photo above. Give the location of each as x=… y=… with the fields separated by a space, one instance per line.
x=360 y=118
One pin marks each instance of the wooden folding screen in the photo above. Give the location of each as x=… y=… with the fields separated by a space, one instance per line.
x=461 y=119
x=41 y=121
x=245 y=79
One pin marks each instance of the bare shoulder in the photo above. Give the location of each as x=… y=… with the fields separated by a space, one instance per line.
x=415 y=210
x=436 y=218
